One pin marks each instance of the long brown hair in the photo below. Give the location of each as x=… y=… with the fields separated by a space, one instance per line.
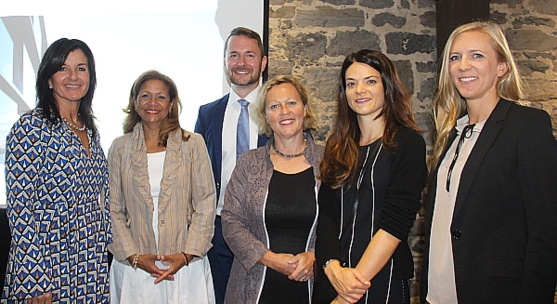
x=171 y=123
x=341 y=152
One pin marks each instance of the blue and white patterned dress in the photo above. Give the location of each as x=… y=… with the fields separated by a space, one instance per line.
x=58 y=210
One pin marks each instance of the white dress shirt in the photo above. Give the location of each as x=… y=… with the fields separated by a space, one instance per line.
x=229 y=128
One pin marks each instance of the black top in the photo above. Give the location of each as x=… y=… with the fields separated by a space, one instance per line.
x=389 y=200
x=289 y=215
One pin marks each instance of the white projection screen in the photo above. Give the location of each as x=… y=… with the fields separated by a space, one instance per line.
x=182 y=39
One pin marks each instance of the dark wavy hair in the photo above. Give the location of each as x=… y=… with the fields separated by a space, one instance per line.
x=53 y=59
x=341 y=152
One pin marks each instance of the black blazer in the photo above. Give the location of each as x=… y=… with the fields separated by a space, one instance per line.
x=504 y=226
x=209 y=125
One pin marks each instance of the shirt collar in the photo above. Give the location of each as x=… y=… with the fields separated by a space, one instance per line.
x=252 y=96
x=464 y=121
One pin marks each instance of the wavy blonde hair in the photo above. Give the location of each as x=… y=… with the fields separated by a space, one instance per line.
x=448 y=105
x=259 y=109
x=171 y=123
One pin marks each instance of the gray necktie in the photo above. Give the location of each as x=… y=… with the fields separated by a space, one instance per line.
x=242 y=135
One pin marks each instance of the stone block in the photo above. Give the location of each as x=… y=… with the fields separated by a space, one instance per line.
x=426 y=3
x=340 y=2
x=322 y=82
x=527 y=67
x=531 y=40
x=283 y=12
x=548 y=7
x=348 y=42
x=306 y=46
x=404 y=69
x=384 y=18
x=279 y=67
x=428 y=88
x=377 y=4
x=426 y=67
x=428 y=19
x=498 y=17
x=326 y=16
x=409 y=43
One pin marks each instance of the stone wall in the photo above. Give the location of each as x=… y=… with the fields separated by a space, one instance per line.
x=309 y=39
x=531 y=28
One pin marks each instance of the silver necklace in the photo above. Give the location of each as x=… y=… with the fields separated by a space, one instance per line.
x=71 y=125
x=289 y=155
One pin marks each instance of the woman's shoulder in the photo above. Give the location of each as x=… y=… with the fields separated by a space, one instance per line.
x=33 y=118
x=527 y=113
x=408 y=136
x=28 y=124
x=194 y=137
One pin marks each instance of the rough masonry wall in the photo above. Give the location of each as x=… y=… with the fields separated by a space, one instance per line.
x=309 y=39
x=531 y=28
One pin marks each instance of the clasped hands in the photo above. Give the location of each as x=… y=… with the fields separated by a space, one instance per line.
x=175 y=262
x=349 y=283
x=297 y=267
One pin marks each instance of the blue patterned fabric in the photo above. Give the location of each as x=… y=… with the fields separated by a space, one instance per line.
x=58 y=210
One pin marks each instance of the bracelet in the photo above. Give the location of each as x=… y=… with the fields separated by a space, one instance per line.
x=135 y=260
x=186 y=257
x=327 y=263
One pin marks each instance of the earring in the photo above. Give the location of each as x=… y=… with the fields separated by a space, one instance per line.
x=50 y=87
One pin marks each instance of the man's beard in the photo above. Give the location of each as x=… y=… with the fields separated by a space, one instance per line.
x=254 y=78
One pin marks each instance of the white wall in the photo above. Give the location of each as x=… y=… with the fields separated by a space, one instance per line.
x=183 y=39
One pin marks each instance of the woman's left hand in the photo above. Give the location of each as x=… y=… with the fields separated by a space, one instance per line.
x=176 y=262
x=304 y=266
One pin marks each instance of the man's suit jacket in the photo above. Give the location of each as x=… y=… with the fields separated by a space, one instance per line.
x=504 y=226
x=209 y=125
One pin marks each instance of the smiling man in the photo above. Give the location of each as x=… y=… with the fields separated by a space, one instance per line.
x=229 y=131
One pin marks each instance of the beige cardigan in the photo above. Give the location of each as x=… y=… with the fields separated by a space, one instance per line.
x=186 y=202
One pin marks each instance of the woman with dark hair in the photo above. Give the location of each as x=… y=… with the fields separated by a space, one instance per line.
x=491 y=208
x=162 y=202
x=57 y=181
x=373 y=173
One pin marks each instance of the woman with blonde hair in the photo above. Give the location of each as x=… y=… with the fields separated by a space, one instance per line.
x=162 y=202
x=270 y=208
x=491 y=211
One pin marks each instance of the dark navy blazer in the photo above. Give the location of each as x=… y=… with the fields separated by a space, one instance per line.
x=209 y=125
